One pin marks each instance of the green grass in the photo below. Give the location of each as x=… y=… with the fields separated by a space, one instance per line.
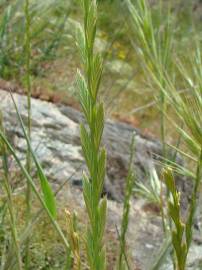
x=95 y=155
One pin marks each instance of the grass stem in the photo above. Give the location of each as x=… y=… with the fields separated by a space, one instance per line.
x=28 y=158
x=12 y=220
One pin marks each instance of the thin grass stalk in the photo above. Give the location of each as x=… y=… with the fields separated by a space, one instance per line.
x=12 y=220
x=163 y=215
x=162 y=122
x=28 y=157
x=3 y=212
x=193 y=203
x=126 y=208
x=91 y=136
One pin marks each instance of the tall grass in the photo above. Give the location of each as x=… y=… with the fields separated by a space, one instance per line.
x=95 y=156
x=151 y=37
x=11 y=208
x=28 y=159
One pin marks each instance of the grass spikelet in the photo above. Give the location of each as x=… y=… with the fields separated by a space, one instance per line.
x=73 y=236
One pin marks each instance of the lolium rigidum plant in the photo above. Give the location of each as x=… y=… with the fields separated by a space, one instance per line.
x=91 y=135
x=178 y=242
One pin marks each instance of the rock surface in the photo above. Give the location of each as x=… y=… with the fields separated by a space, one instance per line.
x=55 y=139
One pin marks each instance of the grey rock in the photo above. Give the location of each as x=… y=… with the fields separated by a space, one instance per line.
x=56 y=141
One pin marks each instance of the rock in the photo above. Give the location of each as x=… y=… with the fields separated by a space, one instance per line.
x=56 y=141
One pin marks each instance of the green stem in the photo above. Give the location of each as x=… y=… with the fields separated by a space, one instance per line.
x=28 y=158
x=13 y=226
x=163 y=111
x=13 y=223
x=163 y=217
x=193 y=203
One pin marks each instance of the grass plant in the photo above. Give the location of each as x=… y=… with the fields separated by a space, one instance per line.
x=95 y=156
